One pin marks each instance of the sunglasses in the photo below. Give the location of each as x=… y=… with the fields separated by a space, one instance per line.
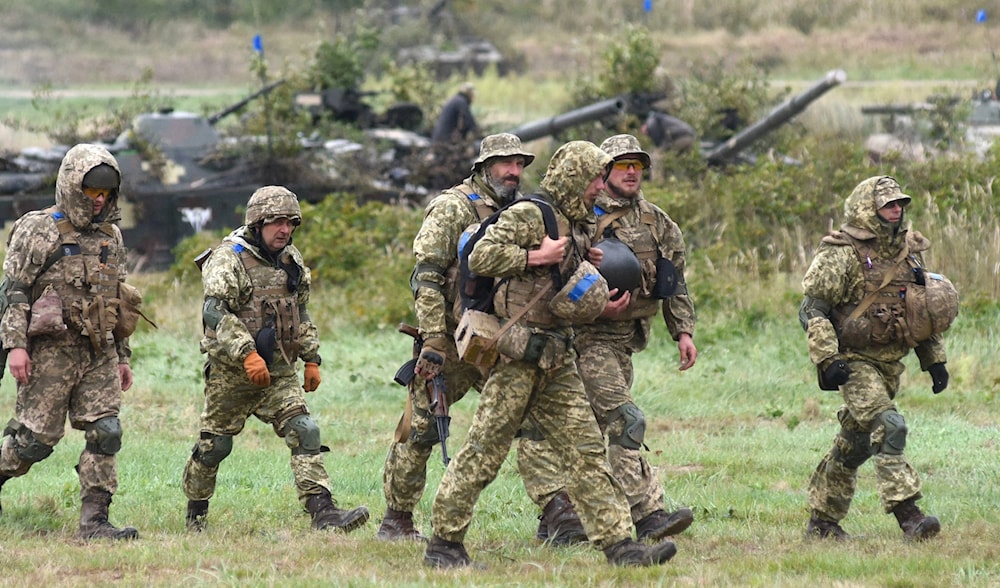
x=624 y=164
x=95 y=193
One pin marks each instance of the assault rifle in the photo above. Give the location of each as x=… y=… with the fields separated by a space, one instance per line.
x=436 y=389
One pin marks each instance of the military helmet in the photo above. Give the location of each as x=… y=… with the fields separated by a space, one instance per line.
x=619 y=266
x=584 y=296
x=270 y=203
x=501 y=145
x=102 y=176
x=887 y=190
x=625 y=147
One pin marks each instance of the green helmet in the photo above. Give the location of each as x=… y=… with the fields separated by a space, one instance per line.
x=270 y=203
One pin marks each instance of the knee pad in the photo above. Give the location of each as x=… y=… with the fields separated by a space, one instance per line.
x=212 y=449
x=104 y=436
x=894 y=440
x=32 y=450
x=302 y=435
x=852 y=449
x=634 y=428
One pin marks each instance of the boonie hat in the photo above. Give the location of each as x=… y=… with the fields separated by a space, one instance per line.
x=625 y=147
x=501 y=145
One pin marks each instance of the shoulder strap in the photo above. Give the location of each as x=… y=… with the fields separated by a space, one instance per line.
x=868 y=300
x=551 y=229
x=605 y=218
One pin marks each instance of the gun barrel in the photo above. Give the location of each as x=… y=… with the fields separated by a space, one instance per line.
x=234 y=107
x=780 y=115
x=560 y=122
x=897 y=108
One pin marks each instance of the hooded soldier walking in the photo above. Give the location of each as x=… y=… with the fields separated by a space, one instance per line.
x=495 y=182
x=862 y=314
x=644 y=261
x=62 y=330
x=257 y=327
x=536 y=378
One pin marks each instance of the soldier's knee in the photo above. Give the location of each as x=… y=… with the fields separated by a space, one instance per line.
x=104 y=436
x=302 y=435
x=633 y=428
x=852 y=449
x=29 y=448
x=423 y=432
x=894 y=440
x=211 y=449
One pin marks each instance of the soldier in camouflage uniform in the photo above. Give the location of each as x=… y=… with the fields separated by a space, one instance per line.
x=495 y=180
x=873 y=249
x=256 y=327
x=63 y=273
x=605 y=348
x=536 y=378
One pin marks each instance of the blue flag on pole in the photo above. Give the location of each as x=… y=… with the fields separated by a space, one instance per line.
x=258 y=44
x=647 y=5
x=981 y=15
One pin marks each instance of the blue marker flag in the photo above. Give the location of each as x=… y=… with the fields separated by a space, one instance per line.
x=981 y=15
x=647 y=5
x=258 y=44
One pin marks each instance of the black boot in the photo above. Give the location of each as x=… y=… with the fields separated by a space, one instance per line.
x=542 y=534
x=446 y=554
x=821 y=528
x=94 y=519
x=915 y=524
x=398 y=525
x=3 y=480
x=562 y=524
x=630 y=553
x=197 y=512
x=326 y=515
x=659 y=524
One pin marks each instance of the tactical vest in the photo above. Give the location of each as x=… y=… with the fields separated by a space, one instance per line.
x=271 y=303
x=642 y=241
x=482 y=211
x=84 y=273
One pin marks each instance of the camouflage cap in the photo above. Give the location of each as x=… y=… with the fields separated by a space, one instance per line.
x=887 y=190
x=501 y=145
x=625 y=147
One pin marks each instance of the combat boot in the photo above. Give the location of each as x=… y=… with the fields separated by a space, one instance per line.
x=446 y=554
x=631 y=553
x=915 y=524
x=397 y=525
x=563 y=526
x=659 y=524
x=326 y=515
x=542 y=534
x=820 y=528
x=3 y=480
x=94 y=520
x=197 y=512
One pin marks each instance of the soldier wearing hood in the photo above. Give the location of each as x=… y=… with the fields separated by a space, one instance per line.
x=855 y=313
x=538 y=381
x=63 y=279
x=257 y=327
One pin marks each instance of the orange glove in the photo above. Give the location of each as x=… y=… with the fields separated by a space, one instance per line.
x=312 y=377
x=257 y=369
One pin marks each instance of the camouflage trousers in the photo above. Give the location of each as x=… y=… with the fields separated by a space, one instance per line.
x=868 y=393
x=605 y=366
x=66 y=382
x=405 y=472
x=230 y=399
x=553 y=401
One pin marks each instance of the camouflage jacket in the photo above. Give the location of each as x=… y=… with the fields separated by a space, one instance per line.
x=650 y=233
x=226 y=279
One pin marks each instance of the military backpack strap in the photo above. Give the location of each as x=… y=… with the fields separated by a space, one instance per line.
x=889 y=275
x=605 y=218
x=551 y=229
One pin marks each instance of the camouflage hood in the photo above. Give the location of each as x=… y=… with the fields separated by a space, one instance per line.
x=69 y=185
x=570 y=171
x=861 y=220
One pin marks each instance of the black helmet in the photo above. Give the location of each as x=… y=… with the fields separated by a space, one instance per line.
x=619 y=266
x=102 y=176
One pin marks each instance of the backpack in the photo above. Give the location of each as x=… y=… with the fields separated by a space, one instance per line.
x=476 y=292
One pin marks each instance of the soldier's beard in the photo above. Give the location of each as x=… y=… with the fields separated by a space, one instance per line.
x=620 y=192
x=505 y=192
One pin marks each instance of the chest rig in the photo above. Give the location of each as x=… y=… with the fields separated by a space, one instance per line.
x=641 y=240
x=272 y=305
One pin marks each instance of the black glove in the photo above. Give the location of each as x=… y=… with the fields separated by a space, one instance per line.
x=939 y=375
x=837 y=373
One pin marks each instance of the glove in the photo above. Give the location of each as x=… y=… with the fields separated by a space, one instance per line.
x=430 y=362
x=939 y=375
x=837 y=373
x=256 y=369
x=312 y=377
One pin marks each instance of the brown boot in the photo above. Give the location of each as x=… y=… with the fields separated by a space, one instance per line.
x=562 y=524
x=820 y=528
x=915 y=524
x=398 y=525
x=197 y=512
x=94 y=520
x=446 y=554
x=326 y=515
x=630 y=553
x=659 y=524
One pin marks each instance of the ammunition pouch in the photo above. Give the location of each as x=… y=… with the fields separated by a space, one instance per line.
x=266 y=341
x=533 y=345
x=46 y=314
x=666 y=279
x=129 y=301
x=474 y=338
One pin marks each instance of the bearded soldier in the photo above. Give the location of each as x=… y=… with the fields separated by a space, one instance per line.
x=862 y=315
x=536 y=377
x=68 y=346
x=257 y=326
x=646 y=239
